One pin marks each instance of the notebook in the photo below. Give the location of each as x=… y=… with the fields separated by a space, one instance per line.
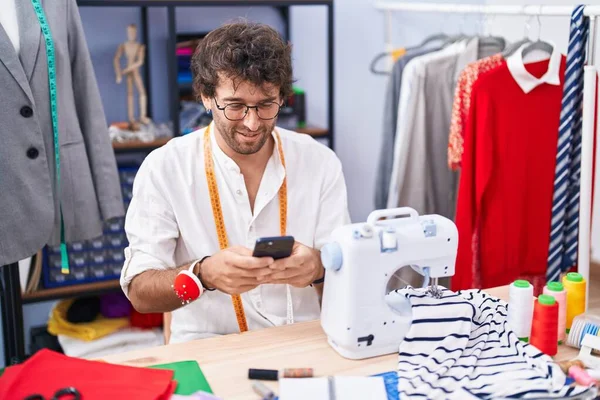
x=342 y=388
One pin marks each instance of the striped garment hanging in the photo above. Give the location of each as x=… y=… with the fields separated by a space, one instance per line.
x=564 y=231
x=460 y=347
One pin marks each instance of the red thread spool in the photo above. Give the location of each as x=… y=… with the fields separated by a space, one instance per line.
x=544 y=327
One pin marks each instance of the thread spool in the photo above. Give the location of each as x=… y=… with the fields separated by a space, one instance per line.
x=581 y=376
x=575 y=286
x=298 y=373
x=544 y=327
x=263 y=374
x=557 y=290
x=583 y=324
x=520 y=308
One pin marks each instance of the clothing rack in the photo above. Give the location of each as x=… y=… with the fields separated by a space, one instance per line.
x=589 y=92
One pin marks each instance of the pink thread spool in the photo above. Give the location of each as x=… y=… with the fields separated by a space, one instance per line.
x=580 y=376
x=557 y=290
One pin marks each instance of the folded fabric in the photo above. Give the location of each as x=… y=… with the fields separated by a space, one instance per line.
x=58 y=324
x=115 y=305
x=83 y=310
x=460 y=346
x=126 y=339
x=46 y=372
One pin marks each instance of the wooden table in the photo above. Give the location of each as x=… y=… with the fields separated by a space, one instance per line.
x=225 y=360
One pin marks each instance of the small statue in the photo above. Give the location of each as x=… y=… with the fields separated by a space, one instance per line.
x=135 y=54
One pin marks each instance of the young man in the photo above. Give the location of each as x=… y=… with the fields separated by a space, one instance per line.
x=203 y=200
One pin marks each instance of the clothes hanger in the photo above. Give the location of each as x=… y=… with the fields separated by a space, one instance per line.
x=489 y=40
x=393 y=54
x=538 y=45
x=428 y=40
x=511 y=48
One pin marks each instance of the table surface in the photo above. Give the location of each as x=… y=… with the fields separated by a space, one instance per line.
x=225 y=360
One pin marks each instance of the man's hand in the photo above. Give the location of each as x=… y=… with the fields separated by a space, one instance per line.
x=300 y=269
x=234 y=270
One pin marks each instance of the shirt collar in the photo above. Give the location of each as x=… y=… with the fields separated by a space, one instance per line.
x=527 y=81
x=226 y=161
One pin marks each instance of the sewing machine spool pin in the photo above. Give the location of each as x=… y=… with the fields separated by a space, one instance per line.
x=361 y=315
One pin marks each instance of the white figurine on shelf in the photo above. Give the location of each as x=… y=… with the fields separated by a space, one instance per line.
x=135 y=54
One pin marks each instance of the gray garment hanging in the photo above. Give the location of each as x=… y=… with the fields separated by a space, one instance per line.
x=390 y=116
x=90 y=188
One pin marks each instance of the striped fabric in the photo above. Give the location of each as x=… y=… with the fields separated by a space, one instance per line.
x=562 y=251
x=460 y=347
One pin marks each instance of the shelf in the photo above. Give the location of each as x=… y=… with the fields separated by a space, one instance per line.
x=139 y=145
x=164 y=3
x=312 y=131
x=88 y=289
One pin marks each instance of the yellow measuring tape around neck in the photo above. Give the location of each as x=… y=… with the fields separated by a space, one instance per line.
x=215 y=202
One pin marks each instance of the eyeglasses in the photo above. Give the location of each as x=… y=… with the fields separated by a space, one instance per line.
x=238 y=111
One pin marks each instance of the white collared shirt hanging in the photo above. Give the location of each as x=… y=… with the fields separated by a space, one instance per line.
x=526 y=80
x=170 y=223
x=460 y=347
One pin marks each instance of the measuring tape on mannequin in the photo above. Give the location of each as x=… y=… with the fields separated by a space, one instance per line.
x=215 y=202
x=39 y=11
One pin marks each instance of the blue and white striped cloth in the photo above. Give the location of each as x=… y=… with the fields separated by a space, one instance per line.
x=564 y=231
x=460 y=347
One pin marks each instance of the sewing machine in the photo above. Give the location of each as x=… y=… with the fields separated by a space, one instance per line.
x=359 y=317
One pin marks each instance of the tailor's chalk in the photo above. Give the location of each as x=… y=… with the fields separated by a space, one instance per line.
x=263 y=374
x=298 y=373
x=263 y=391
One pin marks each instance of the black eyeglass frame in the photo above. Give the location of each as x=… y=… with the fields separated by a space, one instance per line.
x=247 y=110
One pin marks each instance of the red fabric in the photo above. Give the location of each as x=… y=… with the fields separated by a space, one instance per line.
x=507 y=178
x=47 y=371
x=146 y=321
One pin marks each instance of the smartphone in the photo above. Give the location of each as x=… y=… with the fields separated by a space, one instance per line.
x=276 y=247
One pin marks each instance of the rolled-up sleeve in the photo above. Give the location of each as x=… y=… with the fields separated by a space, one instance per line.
x=150 y=224
x=333 y=210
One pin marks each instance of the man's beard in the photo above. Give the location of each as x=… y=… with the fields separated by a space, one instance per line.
x=231 y=135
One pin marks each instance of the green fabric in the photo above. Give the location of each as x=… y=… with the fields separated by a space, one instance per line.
x=188 y=375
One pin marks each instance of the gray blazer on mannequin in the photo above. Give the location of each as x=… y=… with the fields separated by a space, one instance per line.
x=90 y=189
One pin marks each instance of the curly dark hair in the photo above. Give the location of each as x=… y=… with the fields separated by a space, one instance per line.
x=242 y=51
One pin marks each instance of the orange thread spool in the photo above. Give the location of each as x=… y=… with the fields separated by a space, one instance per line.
x=544 y=327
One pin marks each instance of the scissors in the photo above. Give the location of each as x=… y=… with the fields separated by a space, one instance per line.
x=68 y=393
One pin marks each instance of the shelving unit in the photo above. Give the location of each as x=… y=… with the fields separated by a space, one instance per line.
x=12 y=302
x=89 y=289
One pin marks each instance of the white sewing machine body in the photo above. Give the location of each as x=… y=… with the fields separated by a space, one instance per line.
x=361 y=259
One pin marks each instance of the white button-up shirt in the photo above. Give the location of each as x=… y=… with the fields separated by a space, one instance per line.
x=170 y=223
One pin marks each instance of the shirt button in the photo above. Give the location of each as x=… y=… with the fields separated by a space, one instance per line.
x=33 y=153
x=239 y=192
x=26 y=111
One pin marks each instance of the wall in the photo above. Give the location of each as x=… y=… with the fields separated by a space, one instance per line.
x=359 y=96
x=556 y=30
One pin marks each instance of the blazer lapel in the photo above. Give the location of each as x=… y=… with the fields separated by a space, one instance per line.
x=8 y=57
x=30 y=33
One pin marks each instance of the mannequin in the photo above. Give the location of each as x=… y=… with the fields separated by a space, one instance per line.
x=134 y=53
x=31 y=205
